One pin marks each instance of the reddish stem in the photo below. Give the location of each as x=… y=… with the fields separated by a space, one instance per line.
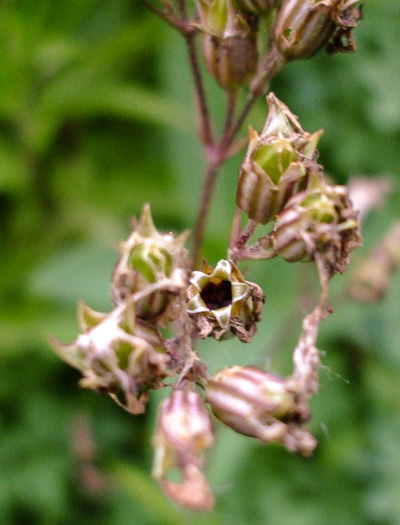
x=205 y=127
x=208 y=190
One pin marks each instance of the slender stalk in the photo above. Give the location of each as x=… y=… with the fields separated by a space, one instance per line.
x=235 y=230
x=251 y=100
x=270 y=66
x=205 y=127
x=181 y=24
x=198 y=233
x=248 y=232
x=232 y=97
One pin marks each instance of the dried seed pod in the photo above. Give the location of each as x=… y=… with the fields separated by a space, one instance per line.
x=303 y=27
x=150 y=258
x=258 y=404
x=222 y=303
x=184 y=431
x=117 y=353
x=320 y=220
x=232 y=61
x=230 y=43
x=276 y=163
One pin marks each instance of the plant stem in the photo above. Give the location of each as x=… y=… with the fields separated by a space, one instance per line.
x=205 y=127
x=215 y=153
x=208 y=190
x=270 y=66
x=232 y=97
x=182 y=8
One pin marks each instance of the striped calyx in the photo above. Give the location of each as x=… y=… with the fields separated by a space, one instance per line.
x=302 y=27
x=259 y=404
x=147 y=259
x=221 y=303
x=319 y=220
x=276 y=163
x=229 y=42
x=239 y=396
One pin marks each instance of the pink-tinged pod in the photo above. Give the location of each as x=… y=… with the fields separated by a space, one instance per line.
x=184 y=431
x=259 y=404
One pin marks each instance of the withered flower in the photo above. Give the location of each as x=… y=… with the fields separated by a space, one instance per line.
x=371 y=277
x=184 y=431
x=222 y=303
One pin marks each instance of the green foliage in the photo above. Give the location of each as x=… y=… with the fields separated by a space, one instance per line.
x=96 y=117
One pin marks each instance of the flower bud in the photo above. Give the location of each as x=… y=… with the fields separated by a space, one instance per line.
x=303 y=27
x=222 y=303
x=319 y=220
x=258 y=404
x=117 y=353
x=184 y=431
x=148 y=258
x=229 y=43
x=276 y=163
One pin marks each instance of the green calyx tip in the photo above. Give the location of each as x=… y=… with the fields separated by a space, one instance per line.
x=146 y=227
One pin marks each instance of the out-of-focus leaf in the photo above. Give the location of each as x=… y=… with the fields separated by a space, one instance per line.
x=82 y=272
x=148 y=494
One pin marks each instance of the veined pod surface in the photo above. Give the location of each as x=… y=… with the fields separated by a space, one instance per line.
x=276 y=163
x=302 y=27
x=229 y=41
x=231 y=60
x=319 y=220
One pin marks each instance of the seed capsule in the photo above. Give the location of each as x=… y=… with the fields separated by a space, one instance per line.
x=302 y=27
x=276 y=163
x=147 y=258
x=230 y=43
x=232 y=61
x=117 y=354
x=319 y=220
x=259 y=404
x=222 y=303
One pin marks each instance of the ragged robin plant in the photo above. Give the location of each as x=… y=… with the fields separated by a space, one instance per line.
x=166 y=300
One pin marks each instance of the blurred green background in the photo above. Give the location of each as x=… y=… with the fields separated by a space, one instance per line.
x=96 y=118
